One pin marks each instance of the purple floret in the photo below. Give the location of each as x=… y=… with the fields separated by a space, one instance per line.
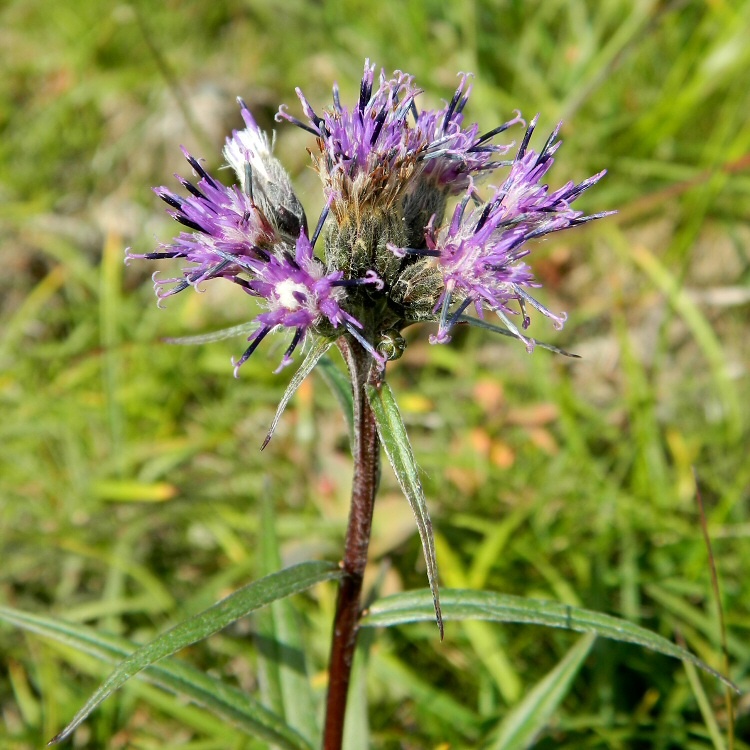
x=479 y=252
x=225 y=225
x=298 y=294
x=383 y=144
x=452 y=154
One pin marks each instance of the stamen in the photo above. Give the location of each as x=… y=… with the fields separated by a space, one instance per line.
x=371 y=277
x=368 y=347
x=379 y=120
x=191 y=188
x=557 y=320
x=500 y=129
x=283 y=115
x=514 y=329
x=193 y=162
x=171 y=200
x=459 y=312
x=548 y=144
x=452 y=107
x=247 y=185
x=336 y=98
x=287 y=358
x=256 y=339
x=527 y=138
x=321 y=222
x=443 y=328
x=189 y=223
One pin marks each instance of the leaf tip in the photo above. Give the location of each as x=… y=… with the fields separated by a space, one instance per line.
x=438 y=614
x=58 y=738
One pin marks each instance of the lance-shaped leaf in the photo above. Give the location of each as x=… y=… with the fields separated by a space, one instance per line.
x=341 y=387
x=200 y=626
x=229 y=703
x=398 y=449
x=318 y=350
x=243 y=329
x=465 y=604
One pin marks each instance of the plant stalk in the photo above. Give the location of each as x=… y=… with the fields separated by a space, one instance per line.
x=366 y=454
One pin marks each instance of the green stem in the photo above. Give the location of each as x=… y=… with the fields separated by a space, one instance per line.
x=366 y=450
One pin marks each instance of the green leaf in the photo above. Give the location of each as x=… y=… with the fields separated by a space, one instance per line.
x=341 y=388
x=464 y=604
x=398 y=449
x=173 y=675
x=708 y=711
x=520 y=728
x=206 y=338
x=281 y=664
x=320 y=347
x=200 y=626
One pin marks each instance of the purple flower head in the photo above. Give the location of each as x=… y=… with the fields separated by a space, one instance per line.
x=298 y=294
x=262 y=178
x=453 y=154
x=375 y=150
x=225 y=224
x=479 y=252
x=389 y=258
x=233 y=238
x=366 y=153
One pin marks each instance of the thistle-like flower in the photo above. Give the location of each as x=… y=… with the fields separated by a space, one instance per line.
x=388 y=171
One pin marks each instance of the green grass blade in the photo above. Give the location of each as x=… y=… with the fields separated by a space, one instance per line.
x=522 y=725
x=706 y=709
x=200 y=626
x=243 y=329
x=408 y=683
x=464 y=604
x=704 y=334
x=318 y=350
x=172 y=675
x=485 y=640
x=398 y=449
x=280 y=645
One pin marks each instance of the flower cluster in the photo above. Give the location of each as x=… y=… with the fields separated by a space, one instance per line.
x=390 y=260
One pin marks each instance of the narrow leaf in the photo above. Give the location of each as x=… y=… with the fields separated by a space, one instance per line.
x=708 y=711
x=521 y=726
x=341 y=387
x=175 y=676
x=200 y=626
x=464 y=604
x=318 y=350
x=398 y=449
x=207 y=338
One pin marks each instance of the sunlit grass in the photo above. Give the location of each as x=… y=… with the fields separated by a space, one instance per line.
x=130 y=472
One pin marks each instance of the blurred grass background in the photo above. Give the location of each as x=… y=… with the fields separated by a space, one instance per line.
x=130 y=472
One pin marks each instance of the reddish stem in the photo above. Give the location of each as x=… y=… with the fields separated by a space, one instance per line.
x=366 y=453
